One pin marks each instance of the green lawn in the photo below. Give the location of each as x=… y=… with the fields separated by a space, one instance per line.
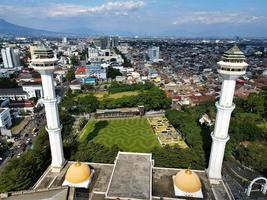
x=133 y=135
x=101 y=95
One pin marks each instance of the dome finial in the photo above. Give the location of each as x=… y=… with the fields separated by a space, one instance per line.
x=188 y=170
x=78 y=163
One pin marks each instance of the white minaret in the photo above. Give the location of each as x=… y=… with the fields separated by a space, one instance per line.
x=230 y=68
x=44 y=62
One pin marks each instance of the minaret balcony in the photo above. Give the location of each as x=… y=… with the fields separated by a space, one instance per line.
x=223 y=107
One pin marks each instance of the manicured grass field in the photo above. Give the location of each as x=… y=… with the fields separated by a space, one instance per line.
x=102 y=95
x=133 y=135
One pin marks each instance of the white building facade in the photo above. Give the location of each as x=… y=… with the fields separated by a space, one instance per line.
x=92 y=52
x=5 y=118
x=153 y=53
x=10 y=57
x=34 y=90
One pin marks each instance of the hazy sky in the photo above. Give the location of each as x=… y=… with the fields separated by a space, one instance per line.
x=145 y=17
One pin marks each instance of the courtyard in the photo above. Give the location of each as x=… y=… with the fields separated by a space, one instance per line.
x=131 y=134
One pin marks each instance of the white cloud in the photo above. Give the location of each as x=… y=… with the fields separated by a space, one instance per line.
x=207 y=18
x=13 y=9
x=114 y=7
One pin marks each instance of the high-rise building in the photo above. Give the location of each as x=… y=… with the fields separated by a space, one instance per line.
x=153 y=53
x=230 y=68
x=107 y=42
x=114 y=41
x=45 y=63
x=104 y=41
x=10 y=57
x=64 y=40
x=92 y=52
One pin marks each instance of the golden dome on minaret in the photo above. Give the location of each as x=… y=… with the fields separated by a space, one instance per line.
x=78 y=172
x=187 y=181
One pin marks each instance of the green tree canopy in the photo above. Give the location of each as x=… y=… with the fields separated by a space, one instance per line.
x=74 y=60
x=70 y=75
x=112 y=73
x=8 y=83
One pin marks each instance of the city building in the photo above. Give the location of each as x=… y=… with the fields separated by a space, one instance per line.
x=45 y=63
x=10 y=57
x=33 y=89
x=91 y=71
x=97 y=71
x=114 y=41
x=153 y=53
x=65 y=40
x=5 y=122
x=75 y=85
x=5 y=118
x=107 y=42
x=16 y=94
x=92 y=52
x=118 y=112
x=231 y=67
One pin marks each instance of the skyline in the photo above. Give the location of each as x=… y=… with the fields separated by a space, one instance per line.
x=185 y=18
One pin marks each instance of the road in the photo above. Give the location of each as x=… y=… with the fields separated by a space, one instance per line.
x=233 y=172
x=25 y=138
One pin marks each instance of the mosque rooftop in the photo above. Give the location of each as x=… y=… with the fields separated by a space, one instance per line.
x=133 y=176
x=46 y=194
x=234 y=54
x=43 y=51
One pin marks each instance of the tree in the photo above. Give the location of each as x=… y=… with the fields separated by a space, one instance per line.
x=120 y=87
x=126 y=62
x=8 y=83
x=83 y=54
x=94 y=152
x=254 y=155
x=112 y=73
x=153 y=99
x=255 y=103
x=74 y=60
x=21 y=173
x=87 y=104
x=88 y=87
x=70 y=75
x=178 y=158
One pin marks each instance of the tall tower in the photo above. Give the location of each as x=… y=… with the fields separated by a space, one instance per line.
x=230 y=68
x=44 y=62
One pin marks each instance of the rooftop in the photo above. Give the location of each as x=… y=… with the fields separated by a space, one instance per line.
x=43 y=51
x=134 y=109
x=46 y=194
x=131 y=177
x=234 y=54
x=12 y=91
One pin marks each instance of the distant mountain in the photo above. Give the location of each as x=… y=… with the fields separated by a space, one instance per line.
x=82 y=31
x=10 y=29
x=85 y=31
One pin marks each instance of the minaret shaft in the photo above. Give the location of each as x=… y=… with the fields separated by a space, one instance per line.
x=230 y=68
x=45 y=63
x=227 y=92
